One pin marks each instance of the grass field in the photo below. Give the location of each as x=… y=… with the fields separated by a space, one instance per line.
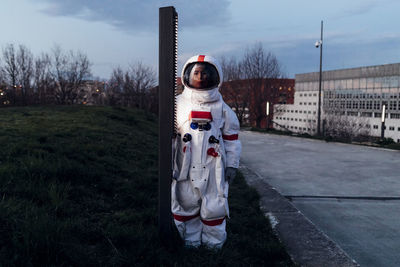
x=78 y=187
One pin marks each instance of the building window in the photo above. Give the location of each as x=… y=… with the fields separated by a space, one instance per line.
x=391 y=128
x=366 y=114
x=377 y=105
x=394 y=116
x=375 y=126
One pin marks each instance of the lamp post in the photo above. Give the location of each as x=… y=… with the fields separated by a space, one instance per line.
x=267 y=113
x=318 y=44
x=383 y=122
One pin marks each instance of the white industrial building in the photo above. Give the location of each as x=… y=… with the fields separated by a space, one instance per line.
x=353 y=96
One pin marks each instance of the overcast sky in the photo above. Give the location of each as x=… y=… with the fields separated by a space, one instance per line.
x=121 y=32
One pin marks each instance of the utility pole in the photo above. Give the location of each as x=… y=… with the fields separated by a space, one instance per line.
x=319 y=44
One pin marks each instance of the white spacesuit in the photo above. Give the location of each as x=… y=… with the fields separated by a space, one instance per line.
x=206 y=155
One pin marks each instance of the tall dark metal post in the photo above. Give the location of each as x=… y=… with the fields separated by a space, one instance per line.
x=168 y=19
x=320 y=83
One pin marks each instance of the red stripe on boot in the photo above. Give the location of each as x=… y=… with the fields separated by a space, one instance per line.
x=213 y=222
x=230 y=137
x=182 y=218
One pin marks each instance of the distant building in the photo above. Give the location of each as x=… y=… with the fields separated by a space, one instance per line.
x=248 y=98
x=351 y=98
x=248 y=104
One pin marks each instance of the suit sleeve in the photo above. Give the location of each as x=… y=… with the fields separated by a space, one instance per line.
x=230 y=135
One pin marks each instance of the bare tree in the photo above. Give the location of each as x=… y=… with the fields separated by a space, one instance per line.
x=115 y=87
x=3 y=89
x=236 y=95
x=234 y=89
x=18 y=73
x=24 y=62
x=342 y=127
x=259 y=69
x=231 y=69
x=69 y=71
x=10 y=71
x=44 y=82
x=141 y=79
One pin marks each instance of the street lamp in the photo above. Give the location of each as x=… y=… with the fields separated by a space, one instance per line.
x=267 y=113
x=318 y=44
x=383 y=122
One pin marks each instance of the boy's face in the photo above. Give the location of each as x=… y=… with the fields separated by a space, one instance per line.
x=199 y=77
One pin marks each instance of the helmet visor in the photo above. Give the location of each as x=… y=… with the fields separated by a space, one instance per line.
x=201 y=75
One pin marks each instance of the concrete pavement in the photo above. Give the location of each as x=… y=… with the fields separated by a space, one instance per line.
x=304 y=242
x=343 y=189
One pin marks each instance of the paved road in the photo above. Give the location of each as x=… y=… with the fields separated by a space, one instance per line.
x=346 y=190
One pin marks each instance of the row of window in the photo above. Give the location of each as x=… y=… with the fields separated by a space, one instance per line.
x=295 y=119
x=357 y=94
x=296 y=111
x=369 y=104
x=309 y=103
x=367 y=126
x=300 y=128
x=391 y=128
x=356 y=83
x=309 y=94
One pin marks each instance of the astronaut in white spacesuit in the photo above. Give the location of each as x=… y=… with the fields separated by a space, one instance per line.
x=206 y=155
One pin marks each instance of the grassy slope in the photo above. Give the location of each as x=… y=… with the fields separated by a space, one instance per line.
x=78 y=186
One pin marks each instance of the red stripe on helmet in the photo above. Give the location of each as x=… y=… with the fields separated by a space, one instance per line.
x=200 y=115
x=230 y=137
x=201 y=58
x=213 y=222
x=182 y=218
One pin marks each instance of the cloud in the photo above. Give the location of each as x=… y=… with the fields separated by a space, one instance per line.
x=138 y=16
x=360 y=8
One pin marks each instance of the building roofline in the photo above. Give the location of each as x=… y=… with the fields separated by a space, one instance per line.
x=359 y=72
